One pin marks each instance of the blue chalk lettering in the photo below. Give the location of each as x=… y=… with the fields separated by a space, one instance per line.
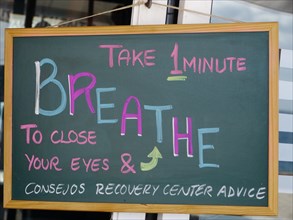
x=50 y=79
x=158 y=110
x=203 y=147
x=101 y=106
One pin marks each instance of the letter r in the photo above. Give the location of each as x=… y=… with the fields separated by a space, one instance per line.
x=74 y=94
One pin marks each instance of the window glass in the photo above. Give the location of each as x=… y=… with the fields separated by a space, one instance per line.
x=249 y=12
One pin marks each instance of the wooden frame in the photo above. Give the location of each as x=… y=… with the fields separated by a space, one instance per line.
x=272 y=208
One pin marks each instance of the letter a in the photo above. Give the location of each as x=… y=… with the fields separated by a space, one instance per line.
x=136 y=116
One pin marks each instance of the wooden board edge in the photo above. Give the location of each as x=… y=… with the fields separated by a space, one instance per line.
x=273 y=165
x=8 y=118
x=146 y=208
x=142 y=29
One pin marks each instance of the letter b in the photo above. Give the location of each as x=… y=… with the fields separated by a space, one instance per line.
x=39 y=86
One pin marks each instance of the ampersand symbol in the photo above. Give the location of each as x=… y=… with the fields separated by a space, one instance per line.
x=126 y=168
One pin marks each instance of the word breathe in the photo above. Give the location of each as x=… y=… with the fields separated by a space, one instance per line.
x=87 y=137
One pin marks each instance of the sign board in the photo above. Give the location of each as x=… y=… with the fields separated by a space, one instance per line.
x=179 y=118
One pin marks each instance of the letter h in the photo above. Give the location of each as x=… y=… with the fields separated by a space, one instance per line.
x=187 y=136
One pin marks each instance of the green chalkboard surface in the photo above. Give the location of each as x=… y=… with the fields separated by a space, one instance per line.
x=142 y=117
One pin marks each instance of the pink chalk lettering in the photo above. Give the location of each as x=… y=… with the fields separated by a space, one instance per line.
x=199 y=65
x=95 y=165
x=90 y=164
x=241 y=64
x=111 y=50
x=217 y=66
x=82 y=137
x=208 y=63
x=126 y=168
x=148 y=58
x=142 y=58
x=174 y=55
x=203 y=65
x=75 y=164
x=37 y=163
x=230 y=61
x=74 y=94
x=190 y=64
x=91 y=138
x=127 y=57
x=36 y=133
x=136 y=116
x=30 y=161
x=87 y=164
x=106 y=165
x=136 y=57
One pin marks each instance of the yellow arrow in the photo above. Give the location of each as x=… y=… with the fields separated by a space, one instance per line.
x=155 y=155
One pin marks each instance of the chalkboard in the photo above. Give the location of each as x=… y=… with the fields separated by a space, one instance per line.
x=179 y=118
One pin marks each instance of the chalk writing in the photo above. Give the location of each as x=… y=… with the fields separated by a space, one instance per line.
x=133 y=57
x=114 y=127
